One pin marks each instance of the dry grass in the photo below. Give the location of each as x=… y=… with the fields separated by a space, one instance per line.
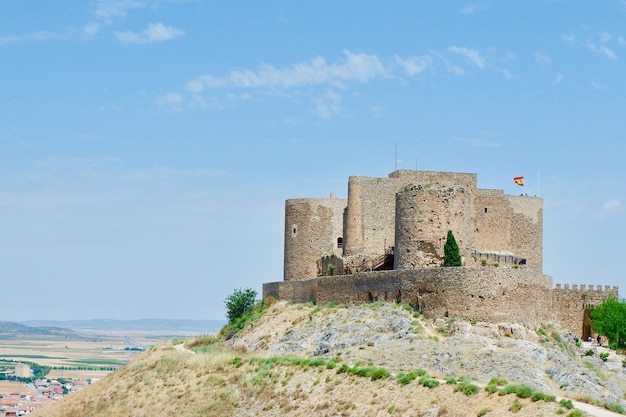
x=224 y=381
x=165 y=381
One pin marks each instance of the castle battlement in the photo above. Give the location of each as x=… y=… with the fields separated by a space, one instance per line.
x=582 y=287
x=386 y=242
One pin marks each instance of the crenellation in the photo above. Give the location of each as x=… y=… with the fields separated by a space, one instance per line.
x=385 y=242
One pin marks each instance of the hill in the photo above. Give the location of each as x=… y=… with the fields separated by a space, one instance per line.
x=374 y=360
x=200 y=326
x=17 y=331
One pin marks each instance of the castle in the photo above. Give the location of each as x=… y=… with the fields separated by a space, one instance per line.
x=385 y=242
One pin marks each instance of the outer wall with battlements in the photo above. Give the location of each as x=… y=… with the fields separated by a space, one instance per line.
x=408 y=215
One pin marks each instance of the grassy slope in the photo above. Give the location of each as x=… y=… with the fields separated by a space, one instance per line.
x=224 y=381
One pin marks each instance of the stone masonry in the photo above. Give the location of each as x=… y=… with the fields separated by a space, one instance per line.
x=385 y=242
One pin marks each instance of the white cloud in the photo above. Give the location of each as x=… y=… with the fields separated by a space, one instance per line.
x=506 y=74
x=171 y=100
x=471 y=54
x=610 y=208
x=155 y=32
x=602 y=50
x=569 y=38
x=621 y=40
x=613 y=206
x=451 y=68
x=605 y=37
x=91 y=28
x=472 y=8
x=598 y=85
x=355 y=67
x=542 y=59
x=328 y=104
x=106 y=10
x=415 y=65
x=557 y=79
x=30 y=37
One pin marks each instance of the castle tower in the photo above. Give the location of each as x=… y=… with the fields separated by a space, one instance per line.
x=424 y=214
x=527 y=229
x=313 y=229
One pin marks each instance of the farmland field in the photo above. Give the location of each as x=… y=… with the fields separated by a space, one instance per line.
x=93 y=357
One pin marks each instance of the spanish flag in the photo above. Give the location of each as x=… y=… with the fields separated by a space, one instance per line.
x=519 y=181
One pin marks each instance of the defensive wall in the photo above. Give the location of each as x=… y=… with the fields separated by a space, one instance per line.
x=489 y=294
x=483 y=294
x=572 y=305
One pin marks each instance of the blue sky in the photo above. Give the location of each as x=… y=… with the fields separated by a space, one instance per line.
x=147 y=147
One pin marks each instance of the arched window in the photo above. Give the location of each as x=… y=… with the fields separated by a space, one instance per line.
x=340 y=242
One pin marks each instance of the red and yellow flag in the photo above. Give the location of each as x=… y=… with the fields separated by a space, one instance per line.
x=519 y=181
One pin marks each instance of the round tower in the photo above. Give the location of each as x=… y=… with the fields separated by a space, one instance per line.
x=424 y=214
x=313 y=229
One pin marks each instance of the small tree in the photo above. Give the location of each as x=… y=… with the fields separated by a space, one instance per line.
x=451 y=253
x=609 y=319
x=239 y=303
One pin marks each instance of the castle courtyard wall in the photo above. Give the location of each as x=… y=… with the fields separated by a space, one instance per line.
x=484 y=294
x=572 y=304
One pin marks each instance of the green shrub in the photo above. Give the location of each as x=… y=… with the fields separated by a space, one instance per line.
x=498 y=382
x=466 y=388
x=238 y=303
x=452 y=254
x=405 y=379
x=604 y=356
x=567 y=404
x=590 y=352
x=482 y=412
x=540 y=396
x=515 y=407
x=615 y=407
x=522 y=390
x=378 y=373
x=372 y=373
x=575 y=413
x=491 y=388
x=428 y=382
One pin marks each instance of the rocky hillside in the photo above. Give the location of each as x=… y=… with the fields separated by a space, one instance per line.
x=374 y=360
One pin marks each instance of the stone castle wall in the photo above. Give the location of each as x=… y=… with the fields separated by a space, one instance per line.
x=484 y=294
x=571 y=305
x=527 y=229
x=413 y=211
x=487 y=221
x=312 y=229
x=492 y=222
x=370 y=221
